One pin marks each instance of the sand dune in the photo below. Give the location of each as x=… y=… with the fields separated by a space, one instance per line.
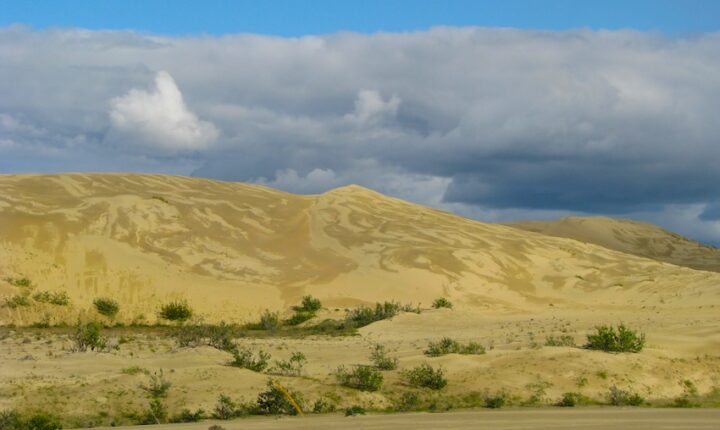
x=234 y=249
x=632 y=237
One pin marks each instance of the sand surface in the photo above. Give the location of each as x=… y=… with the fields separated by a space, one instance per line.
x=233 y=250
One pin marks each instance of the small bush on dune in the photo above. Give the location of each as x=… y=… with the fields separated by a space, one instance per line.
x=618 y=397
x=88 y=336
x=292 y=366
x=564 y=340
x=425 y=376
x=361 y=377
x=12 y=420
x=607 y=339
x=60 y=298
x=322 y=406
x=158 y=386
x=107 y=307
x=188 y=416
x=19 y=282
x=380 y=359
x=447 y=345
x=277 y=401
x=17 y=301
x=309 y=304
x=495 y=401
x=246 y=359
x=570 y=400
x=178 y=311
x=225 y=408
x=354 y=410
x=442 y=302
x=362 y=316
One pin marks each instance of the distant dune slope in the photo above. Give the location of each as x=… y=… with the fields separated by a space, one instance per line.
x=632 y=237
x=234 y=249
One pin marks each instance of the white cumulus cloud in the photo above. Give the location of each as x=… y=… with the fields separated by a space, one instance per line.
x=160 y=119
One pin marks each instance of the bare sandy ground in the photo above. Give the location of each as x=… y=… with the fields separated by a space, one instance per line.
x=585 y=419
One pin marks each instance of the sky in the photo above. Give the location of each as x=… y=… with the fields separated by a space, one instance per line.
x=528 y=110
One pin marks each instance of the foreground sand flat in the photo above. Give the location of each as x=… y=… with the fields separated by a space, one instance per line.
x=584 y=419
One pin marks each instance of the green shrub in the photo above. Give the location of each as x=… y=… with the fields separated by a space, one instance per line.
x=425 y=376
x=157 y=387
x=299 y=317
x=380 y=360
x=57 y=298
x=156 y=414
x=607 y=339
x=19 y=282
x=219 y=336
x=570 y=400
x=362 y=316
x=442 y=302
x=447 y=345
x=354 y=410
x=618 y=397
x=106 y=306
x=11 y=420
x=176 y=311
x=495 y=401
x=309 y=304
x=408 y=401
x=188 y=416
x=225 y=408
x=274 y=401
x=564 y=340
x=291 y=367
x=88 y=336
x=246 y=359
x=16 y=301
x=361 y=377
x=322 y=406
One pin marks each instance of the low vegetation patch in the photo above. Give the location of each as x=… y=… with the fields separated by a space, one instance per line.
x=354 y=410
x=442 y=302
x=571 y=399
x=618 y=397
x=177 y=311
x=608 y=339
x=277 y=400
x=361 y=377
x=447 y=345
x=12 y=420
x=19 y=282
x=495 y=401
x=88 y=335
x=247 y=359
x=292 y=366
x=16 y=301
x=563 y=340
x=380 y=359
x=106 y=306
x=362 y=316
x=425 y=376
x=54 y=298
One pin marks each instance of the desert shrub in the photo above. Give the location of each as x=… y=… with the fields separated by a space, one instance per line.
x=225 y=408
x=19 y=282
x=322 y=406
x=16 y=301
x=176 y=311
x=380 y=359
x=11 y=420
x=309 y=304
x=292 y=366
x=246 y=359
x=277 y=401
x=447 y=345
x=354 y=410
x=442 y=302
x=618 y=397
x=88 y=335
x=570 y=400
x=362 y=316
x=408 y=401
x=216 y=427
x=564 y=340
x=133 y=370
x=269 y=321
x=495 y=401
x=188 y=416
x=157 y=386
x=59 y=298
x=361 y=377
x=425 y=376
x=299 y=317
x=218 y=336
x=106 y=306
x=156 y=413
x=607 y=339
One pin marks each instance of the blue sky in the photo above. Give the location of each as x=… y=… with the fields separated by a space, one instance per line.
x=297 y=17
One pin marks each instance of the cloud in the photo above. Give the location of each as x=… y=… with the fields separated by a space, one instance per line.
x=159 y=119
x=490 y=123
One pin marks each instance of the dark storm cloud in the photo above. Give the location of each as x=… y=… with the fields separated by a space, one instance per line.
x=483 y=121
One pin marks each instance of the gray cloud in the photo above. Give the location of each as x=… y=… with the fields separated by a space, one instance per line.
x=489 y=123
